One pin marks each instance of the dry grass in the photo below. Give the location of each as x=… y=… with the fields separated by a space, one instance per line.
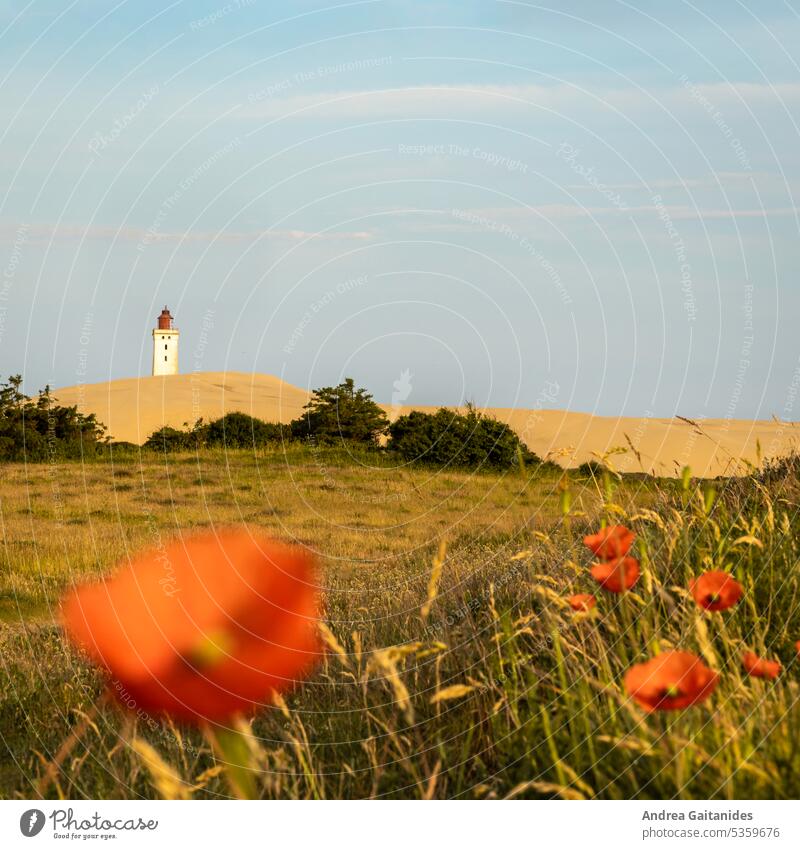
x=363 y=517
x=476 y=682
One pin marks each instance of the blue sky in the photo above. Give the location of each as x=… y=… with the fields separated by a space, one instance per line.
x=499 y=197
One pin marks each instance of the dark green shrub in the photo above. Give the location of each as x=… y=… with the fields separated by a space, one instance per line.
x=238 y=430
x=234 y=430
x=170 y=439
x=591 y=469
x=463 y=440
x=41 y=429
x=341 y=414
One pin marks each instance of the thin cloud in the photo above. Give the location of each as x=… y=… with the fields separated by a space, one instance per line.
x=481 y=219
x=711 y=181
x=432 y=100
x=45 y=232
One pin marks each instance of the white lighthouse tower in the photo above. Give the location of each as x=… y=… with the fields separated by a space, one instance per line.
x=165 y=345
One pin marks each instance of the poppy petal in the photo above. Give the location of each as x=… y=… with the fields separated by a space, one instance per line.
x=203 y=627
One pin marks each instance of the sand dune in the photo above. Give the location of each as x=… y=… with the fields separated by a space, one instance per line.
x=133 y=408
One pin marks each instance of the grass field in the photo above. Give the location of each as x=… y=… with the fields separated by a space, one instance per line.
x=499 y=690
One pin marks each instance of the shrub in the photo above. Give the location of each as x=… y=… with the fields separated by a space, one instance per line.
x=451 y=438
x=341 y=413
x=170 y=439
x=238 y=430
x=41 y=429
x=591 y=469
x=234 y=430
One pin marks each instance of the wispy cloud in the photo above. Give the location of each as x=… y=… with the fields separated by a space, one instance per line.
x=478 y=219
x=711 y=181
x=71 y=232
x=431 y=100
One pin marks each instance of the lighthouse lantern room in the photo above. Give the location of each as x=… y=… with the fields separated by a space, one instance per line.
x=165 y=345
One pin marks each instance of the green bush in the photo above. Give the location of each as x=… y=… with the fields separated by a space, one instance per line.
x=238 y=430
x=234 y=430
x=42 y=429
x=341 y=414
x=169 y=439
x=462 y=440
x=591 y=469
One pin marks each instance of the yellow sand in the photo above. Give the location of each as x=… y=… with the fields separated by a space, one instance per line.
x=133 y=408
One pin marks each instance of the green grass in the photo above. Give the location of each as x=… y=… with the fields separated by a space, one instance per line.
x=544 y=714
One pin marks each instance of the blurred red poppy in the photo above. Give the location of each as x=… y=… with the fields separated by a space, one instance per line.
x=582 y=601
x=797 y=646
x=203 y=628
x=716 y=590
x=671 y=681
x=758 y=667
x=616 y=575
x=610 y=543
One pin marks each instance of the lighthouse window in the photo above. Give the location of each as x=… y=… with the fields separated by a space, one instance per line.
x=165 y=359
x=165 y=347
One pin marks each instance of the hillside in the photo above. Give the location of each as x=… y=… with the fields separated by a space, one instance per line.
x=134 y=407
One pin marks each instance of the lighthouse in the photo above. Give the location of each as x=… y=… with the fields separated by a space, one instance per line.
x=165 y=345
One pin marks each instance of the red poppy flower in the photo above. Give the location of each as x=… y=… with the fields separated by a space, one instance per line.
x=716 y=590
x=617 y=575
x=797 y=646
x=201 y=629
x=610 y=543
x=582 y=601
x=671 y=681
x=758 y=667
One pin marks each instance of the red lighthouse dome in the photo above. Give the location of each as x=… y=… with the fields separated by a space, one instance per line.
x=165 y=320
